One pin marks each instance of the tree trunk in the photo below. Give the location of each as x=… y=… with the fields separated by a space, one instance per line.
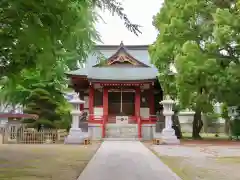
x=227 y=126
x=197 y=124
x=177 y=126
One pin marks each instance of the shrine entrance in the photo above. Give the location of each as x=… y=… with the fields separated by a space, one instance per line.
x=121 y=102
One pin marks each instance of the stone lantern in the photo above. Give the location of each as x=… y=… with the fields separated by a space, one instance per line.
x=168 y=133
x=75 y=136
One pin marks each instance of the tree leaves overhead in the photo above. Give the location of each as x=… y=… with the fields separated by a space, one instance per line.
x=40 y=32
x=42 y=39
x=202 y=39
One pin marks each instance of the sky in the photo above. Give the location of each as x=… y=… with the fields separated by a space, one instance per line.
x=140 y=12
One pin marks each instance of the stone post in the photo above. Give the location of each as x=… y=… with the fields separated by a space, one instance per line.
x=186 y=119
x=75 y=136
x=218 y=110
x=168 y=133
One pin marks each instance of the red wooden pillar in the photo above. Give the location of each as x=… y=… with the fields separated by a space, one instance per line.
x=105 y=110
x=81 y=107
x=81 y=96
x=137 y=101
x=90 y=104
x=137 y=111
x=151 y=103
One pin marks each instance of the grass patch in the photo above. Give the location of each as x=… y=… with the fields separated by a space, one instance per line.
x=45 y=162
x=207 y=136
x=183 y=169
x=197 y=168
x=180 y=166
x=231 y=160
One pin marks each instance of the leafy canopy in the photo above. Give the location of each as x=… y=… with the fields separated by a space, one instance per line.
x=38 y=33
x=201 y=38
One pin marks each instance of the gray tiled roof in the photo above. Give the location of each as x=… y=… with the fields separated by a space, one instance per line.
x=116 y=73
x=79 y=72
x=128 y=73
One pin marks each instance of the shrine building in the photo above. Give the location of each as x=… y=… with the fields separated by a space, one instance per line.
x=121 y=92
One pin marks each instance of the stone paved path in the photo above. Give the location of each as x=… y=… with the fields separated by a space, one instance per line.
x=126 y=160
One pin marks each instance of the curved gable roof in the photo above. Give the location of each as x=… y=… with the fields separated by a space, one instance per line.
x=142 y=71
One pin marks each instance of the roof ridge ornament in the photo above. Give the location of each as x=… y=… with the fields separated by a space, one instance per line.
x=121 y=44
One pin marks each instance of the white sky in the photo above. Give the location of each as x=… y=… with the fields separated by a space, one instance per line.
x=139 y=12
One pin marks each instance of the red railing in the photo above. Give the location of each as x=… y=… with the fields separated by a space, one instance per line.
x=151 y=120
x=92 y=118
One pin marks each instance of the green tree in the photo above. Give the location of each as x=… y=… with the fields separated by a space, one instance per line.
x=195 y=35
x=39 y=94
x=40 y=32
x=40 y=40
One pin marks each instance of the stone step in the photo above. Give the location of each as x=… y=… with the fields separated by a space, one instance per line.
x=121 y=136
x=121 y=139
x=121 y=125
x=121 y=131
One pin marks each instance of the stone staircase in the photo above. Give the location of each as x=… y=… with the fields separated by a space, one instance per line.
x=121 y=132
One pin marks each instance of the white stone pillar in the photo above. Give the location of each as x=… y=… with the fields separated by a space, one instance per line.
x=168 y=133
x=75 y=136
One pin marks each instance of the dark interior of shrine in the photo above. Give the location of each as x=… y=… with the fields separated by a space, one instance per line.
x=128 y=101
x=115 y=107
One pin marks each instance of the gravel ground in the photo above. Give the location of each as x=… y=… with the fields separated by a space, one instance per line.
x=201 y=162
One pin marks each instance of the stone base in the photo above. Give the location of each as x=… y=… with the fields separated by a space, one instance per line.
x=95 y=131
x=121 y=131
x=157 y=135
x=76 y=136
x=147 y=131
x=168 y=137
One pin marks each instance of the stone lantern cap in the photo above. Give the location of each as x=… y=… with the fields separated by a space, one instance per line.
x=167 y=100
x=76 y=100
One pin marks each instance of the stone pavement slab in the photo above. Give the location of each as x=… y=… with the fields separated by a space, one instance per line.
x=126 y=160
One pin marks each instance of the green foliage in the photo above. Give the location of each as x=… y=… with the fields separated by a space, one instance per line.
x=43 y=104
x=202 y=39
x=212 y=118
x=235 y=128
x=40 y=94
x=39 y=33
x=42 y=39
x=43 y=32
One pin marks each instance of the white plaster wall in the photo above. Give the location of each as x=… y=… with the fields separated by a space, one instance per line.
x=98 y=112
x=144 y=112
x=86 y=99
